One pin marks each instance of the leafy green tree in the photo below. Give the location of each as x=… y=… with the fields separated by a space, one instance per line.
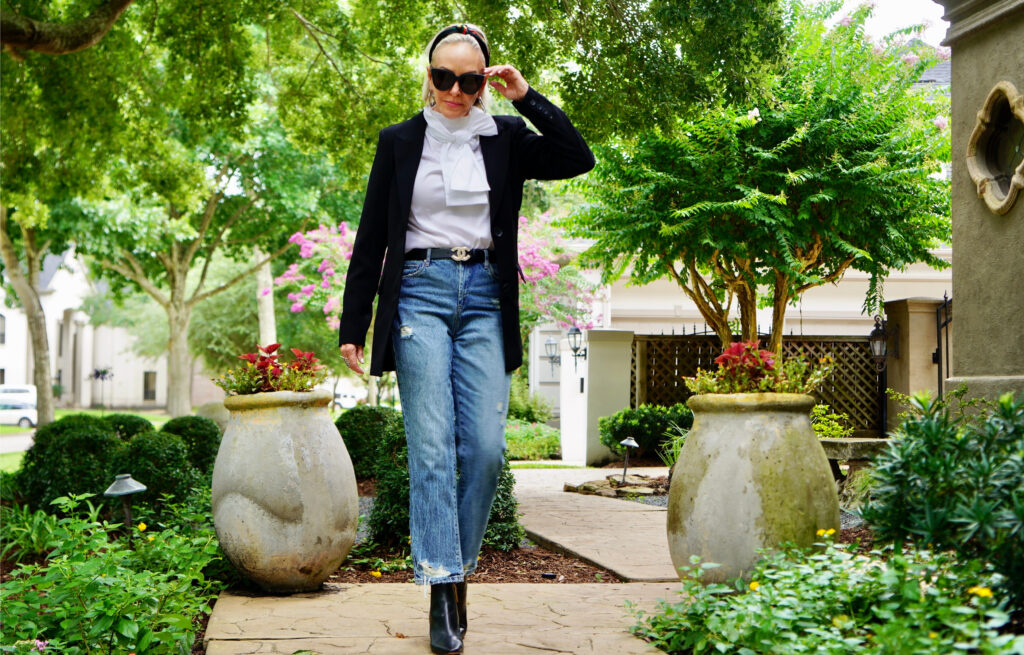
x=836 y=167
x=20 y=33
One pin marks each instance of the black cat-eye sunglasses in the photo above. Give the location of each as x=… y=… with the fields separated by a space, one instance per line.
x=444 y=79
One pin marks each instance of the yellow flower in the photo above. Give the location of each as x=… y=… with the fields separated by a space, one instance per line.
x=981 y=592
x=151 y=537
x=838 y=621
x=830 y=532
x=933 y=635
x=375 y=574
x=142 y=527
x=826 y=533
x=754 y=584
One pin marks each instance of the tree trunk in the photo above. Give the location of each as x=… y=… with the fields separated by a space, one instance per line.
x=179 y=363
x=746 y=298
x=25 y=284
x=265 y=303
x=23 y=33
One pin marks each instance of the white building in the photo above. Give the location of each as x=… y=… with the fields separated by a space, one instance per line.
x=78 y=349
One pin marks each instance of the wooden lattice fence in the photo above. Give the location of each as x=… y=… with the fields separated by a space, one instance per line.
x=661 y=362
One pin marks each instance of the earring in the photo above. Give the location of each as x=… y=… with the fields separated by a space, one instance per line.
x=432 y=100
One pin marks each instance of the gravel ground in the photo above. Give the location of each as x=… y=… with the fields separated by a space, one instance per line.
x=365 y=505
x=846 y=519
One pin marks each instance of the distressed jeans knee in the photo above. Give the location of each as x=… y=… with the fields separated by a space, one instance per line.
x=454 y=391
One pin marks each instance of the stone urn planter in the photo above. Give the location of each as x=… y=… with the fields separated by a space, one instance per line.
x=750 y=475
x=285 y=501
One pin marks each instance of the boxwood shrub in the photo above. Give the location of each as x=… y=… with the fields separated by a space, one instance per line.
x=389 y=519
x=650 y=425
x=531 y=441
x=160 y=461
x=77 y=454
x=127 y=426
x=363 y=428
x=201 y=437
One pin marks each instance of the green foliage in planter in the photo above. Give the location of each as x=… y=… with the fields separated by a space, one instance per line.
x=531 y=441
x=955 y=482
x=127 y=426
x=835 y=602
x=389 y=520
x=830 y=425
x=363 y=428
x=95 y=594
x=160 y=461
x=524 y=407
x=650 y=425
x=75 y=455
x=201 y=437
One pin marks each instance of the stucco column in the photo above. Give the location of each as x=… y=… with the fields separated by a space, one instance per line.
x=988 y=247
x=913 y=369
x=591 y=388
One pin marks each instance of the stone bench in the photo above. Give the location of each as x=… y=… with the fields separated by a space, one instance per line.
x=856 y=452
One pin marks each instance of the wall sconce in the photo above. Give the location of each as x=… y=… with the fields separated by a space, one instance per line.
x=879 y=341
x=576 y=345
x=551 y=353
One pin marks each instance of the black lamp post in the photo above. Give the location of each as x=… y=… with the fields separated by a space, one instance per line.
x=125 y=487
x=628 y=442
x=576 y=345
x=879 y=342
x=551 y=353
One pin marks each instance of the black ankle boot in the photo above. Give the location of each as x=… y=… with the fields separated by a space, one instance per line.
x=460 y=598
x=444 y=619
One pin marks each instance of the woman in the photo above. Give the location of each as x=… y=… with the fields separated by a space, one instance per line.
x=437 y=242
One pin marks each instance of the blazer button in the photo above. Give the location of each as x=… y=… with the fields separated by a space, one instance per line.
x=498 y=233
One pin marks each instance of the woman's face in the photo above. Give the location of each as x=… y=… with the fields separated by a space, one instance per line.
x=459 y=58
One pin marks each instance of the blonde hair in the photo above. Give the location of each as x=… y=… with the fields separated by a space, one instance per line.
x=484 y=98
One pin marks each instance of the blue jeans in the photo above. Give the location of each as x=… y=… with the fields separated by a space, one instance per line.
x=454 y=390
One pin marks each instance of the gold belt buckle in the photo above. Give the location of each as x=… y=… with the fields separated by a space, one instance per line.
x=461 y=253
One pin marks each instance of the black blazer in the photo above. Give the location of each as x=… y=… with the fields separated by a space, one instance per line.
x=513 y=155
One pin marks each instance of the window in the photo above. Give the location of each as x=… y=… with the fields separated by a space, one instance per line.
x=149 y=385
x=3 y=332
x=3 y=376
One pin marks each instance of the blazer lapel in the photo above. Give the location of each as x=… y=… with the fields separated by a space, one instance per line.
x=495 y=152
x=408 y=150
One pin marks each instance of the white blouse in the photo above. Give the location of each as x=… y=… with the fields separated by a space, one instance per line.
x=456 y=214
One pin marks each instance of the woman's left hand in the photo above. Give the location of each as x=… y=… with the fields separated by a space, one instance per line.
x=515 y=85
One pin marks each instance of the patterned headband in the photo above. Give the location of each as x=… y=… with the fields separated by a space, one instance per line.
x=461 y=29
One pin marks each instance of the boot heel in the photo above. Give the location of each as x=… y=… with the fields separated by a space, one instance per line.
x=444 y=620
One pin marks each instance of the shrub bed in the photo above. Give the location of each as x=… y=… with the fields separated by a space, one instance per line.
x=127 y=426
x=201 y=437
x=531 y=441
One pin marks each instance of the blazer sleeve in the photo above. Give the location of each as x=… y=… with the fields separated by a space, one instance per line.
x=364 y=268
x=559 y=151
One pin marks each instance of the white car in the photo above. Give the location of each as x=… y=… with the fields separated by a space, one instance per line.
x=22 y=414
x=18 y=393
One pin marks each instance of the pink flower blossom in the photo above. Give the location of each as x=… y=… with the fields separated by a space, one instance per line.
x=846 y=21
x=910 y=59
x=265 y=291
x=333 y=322
x=325 y=284
x=308 y=289
x=297 y=307
x=331 y=305
x=940 y=122
x=943 y=53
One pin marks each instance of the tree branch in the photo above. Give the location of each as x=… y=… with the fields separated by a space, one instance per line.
x=136 y=275
x=199 y=297
x=20 y=33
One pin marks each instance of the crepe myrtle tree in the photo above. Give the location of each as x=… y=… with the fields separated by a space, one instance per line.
x=748 y=206
x=552 y=288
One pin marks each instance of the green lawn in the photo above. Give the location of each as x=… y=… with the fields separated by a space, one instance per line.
x=156 y=417
x=10 y=462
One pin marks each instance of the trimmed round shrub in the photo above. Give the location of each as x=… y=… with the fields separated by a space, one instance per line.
x=127 y=426
x=160 y=461
x=201 y=437
x=389 y=520
x=650 y=425
x=77 y=454
x=363 y=428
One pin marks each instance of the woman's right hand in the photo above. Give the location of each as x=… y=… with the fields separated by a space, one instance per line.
x=353 y=356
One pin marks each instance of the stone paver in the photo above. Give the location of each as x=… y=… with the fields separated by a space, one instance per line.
x=580 y=619
x=392 y=618
x=624 y=537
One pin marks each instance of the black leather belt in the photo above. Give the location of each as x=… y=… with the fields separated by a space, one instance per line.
x=462 y=254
